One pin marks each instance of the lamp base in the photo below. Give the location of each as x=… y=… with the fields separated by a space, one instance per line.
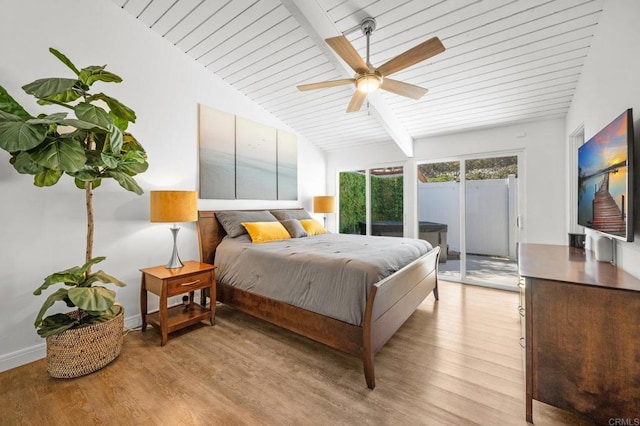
x=175 y=261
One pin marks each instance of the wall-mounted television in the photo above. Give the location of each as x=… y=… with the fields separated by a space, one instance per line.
x=605 y=179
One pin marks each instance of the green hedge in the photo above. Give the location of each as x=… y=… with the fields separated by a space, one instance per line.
x=386 y=200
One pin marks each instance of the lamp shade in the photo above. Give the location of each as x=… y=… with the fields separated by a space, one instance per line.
x=324 y=204
x=174 y=206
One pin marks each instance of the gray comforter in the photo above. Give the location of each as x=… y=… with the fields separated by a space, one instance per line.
x=330 y=274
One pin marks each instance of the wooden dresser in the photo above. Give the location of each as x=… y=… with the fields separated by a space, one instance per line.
x=582 y=333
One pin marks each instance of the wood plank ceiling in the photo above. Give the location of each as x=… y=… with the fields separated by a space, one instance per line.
x=506 y=60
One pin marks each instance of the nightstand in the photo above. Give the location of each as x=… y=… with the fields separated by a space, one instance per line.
x=166 y=283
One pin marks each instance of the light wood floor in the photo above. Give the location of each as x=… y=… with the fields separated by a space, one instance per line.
x=457 y=361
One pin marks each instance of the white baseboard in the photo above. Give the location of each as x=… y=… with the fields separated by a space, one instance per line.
x=133 y=322
x=23 y=356
x=39 y=351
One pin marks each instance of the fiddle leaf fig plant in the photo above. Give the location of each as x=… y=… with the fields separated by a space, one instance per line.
x=89 y=142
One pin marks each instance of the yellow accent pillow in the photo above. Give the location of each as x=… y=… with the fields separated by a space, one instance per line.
x=313 y=227
x=263 y=232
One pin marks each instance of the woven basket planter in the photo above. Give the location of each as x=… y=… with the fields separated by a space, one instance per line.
x=81 y=351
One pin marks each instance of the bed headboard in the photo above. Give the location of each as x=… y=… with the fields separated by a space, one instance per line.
x=210 y=234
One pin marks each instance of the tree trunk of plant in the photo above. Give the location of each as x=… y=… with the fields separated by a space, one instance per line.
x=89 y=202
x=88 y=196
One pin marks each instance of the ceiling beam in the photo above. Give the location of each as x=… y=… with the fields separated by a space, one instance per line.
x=319 y=26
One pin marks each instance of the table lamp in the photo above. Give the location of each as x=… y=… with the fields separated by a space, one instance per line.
x=174 y=206
x=324 y=204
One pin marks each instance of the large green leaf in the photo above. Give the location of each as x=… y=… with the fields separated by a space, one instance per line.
x=99 y=317
x=7 y=116
x=85 y=175
x=23 y=163
x=78 y=124
x=61 y=98
x=55 y=324
x=8 y=104
x=84 y=268
x=47 y=178
x=94 y=159
x=21 y=136
x=56 y=118
x=58 y=296
x=125 y=181
x=64 y=60
x=82 y=184
x=131 y=143
x=115 y=139
x=45 y=87
x=103 y=277
x=134 y=156
x=117 y=108
x=91 y=74
x=61 y=154
x=93 y=114
x=70 y=276
x=110 y=161
x=94 y=299
x=120 y=122
x=132 y=168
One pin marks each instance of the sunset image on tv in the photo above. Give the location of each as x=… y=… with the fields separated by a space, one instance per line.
x=602 y=179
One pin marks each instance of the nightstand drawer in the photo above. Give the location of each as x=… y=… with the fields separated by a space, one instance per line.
x=193 y=282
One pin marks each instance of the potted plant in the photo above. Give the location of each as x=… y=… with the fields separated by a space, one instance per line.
x=90 y=145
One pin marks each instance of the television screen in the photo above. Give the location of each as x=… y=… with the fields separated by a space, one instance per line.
x=605 y=179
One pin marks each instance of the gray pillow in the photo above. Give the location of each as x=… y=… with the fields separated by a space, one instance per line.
x=291 y=214
x=231 y=220
x=294 y=228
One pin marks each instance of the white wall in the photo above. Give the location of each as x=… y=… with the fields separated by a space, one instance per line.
x=44 y=228
x=609 y=84
x=542 y=172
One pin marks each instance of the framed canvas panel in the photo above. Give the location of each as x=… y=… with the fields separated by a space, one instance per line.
x=287 y=165
x=256 y=161
x=217 y=154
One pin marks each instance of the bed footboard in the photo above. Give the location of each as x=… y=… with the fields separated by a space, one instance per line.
x=392 y=301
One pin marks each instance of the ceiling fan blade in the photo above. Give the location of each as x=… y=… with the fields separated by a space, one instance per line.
x=356 y=101
x=348 y=53
x=412 y=56
x=324 y=84
x=403 y=89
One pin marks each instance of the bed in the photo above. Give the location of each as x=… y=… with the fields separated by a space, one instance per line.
x=380 y=308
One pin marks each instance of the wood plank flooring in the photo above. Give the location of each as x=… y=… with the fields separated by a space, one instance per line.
x=457 y=361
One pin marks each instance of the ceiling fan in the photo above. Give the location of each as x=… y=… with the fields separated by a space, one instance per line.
x=369 y=78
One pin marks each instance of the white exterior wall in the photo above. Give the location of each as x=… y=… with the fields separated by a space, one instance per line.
x=44 y=228
x=609 y=84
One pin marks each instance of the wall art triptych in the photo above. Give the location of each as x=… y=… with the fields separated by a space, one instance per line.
x=242 y=159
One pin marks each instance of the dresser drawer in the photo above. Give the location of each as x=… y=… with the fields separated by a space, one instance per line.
x=188 y=283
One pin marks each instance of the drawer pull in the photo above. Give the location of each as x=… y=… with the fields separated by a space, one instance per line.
x=190 y=283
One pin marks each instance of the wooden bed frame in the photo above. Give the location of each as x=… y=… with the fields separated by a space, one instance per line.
x=390 y=302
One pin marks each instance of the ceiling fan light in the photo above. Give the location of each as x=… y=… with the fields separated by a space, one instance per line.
x=369 y=83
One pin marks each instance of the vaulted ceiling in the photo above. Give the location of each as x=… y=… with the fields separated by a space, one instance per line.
x=505 y=60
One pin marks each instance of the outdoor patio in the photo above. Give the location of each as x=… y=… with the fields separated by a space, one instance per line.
x=488 y=269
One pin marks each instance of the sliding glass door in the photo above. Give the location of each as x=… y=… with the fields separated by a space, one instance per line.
x=371 y=201
x=439 y=213
x=491 y=200
x=474 y=203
